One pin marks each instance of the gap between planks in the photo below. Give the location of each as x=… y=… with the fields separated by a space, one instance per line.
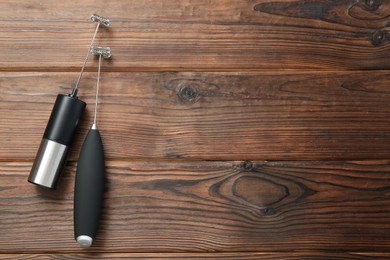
x=214 y=255
x=108 y=69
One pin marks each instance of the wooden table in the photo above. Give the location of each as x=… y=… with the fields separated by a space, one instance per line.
x=232 y=129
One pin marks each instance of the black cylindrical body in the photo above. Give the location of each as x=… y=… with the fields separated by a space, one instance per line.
x=64 y=119
x=58 y=136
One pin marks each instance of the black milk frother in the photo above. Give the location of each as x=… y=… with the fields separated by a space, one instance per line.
x=60 y=129
x=89 y=183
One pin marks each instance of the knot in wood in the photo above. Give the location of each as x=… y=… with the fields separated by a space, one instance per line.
x=378 y=37
x=267 y=211
x=188 y=94
x=370 y=5
x=247 y=165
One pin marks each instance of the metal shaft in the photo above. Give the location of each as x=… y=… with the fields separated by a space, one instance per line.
x=97 y=93
x=75 y=89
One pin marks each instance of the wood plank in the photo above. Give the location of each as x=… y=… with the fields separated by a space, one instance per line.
x=210 y=116
x=208 y=207
x=200 y=256
x=202 y=35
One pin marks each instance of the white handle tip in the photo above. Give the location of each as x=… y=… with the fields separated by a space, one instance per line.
x=84 y=241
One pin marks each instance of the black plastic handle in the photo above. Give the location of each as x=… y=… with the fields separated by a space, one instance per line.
x=89 y=187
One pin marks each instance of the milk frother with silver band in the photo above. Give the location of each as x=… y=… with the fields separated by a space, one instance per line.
x=58 y=136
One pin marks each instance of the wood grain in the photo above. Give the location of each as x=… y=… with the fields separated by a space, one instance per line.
x=233 y=129
x=201 y=35
x=200 y=256
x=208 y=207
x=210 y=116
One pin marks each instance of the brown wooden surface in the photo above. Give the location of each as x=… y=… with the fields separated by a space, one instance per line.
x=208 y=206
x=232 y=129
x=198 y=35
x=211 y=116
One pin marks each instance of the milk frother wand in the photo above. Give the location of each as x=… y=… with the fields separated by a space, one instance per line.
x=57 y=138
x=89 y=184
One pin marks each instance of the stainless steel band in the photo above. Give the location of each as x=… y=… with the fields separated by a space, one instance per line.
x=48 y=164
